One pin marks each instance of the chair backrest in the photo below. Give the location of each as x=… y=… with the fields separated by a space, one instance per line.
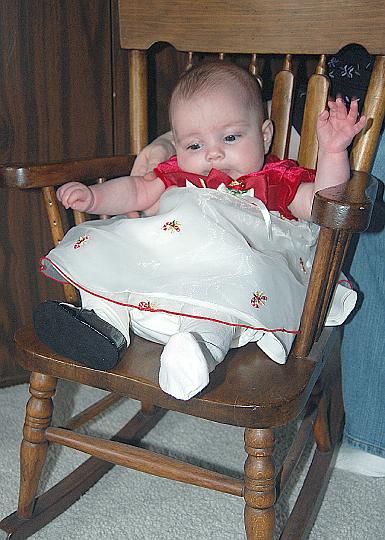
x=260 y=28
x=255 y=28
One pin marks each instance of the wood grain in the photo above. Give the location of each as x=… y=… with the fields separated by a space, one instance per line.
x=55 y=104
x=253 y=25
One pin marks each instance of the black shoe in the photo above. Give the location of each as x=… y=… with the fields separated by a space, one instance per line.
x=79 y=334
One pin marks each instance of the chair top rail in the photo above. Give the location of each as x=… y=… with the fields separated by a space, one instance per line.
x=282 y=26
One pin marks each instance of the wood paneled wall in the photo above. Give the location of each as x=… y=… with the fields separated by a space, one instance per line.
x=55 y=103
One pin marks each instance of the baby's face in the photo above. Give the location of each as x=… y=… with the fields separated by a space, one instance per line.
x=217 y=130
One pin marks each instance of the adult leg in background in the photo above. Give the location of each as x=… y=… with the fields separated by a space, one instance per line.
x=363 y=350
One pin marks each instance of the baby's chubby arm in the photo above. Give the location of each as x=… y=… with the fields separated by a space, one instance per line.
x=336 y=128
x=114 y=197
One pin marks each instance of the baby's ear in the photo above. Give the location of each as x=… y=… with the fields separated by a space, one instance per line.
x=267 y=134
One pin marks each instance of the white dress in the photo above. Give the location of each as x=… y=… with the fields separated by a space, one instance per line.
x=205 y=251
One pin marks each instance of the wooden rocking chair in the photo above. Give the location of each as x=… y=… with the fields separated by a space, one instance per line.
x=247 y=389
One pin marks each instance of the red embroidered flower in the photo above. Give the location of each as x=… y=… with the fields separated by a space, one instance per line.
x=258 y=299
x=302 y=265
x=146 y=306
x=82 y=240
x=172 y=226
x=237 y=185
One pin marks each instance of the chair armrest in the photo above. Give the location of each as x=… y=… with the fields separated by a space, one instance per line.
x=53 y=174
x=348 y=206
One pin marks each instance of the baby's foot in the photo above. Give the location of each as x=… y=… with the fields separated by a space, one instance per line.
x=79 y=334
x=358 y=461
x=183 y=368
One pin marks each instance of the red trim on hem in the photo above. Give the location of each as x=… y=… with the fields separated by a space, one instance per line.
x=238 y=325
x=341 y=281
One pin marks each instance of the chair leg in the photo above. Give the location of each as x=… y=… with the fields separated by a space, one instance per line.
x=259 y=490
x=148 y=408
x=321 y=426
x=34 y=444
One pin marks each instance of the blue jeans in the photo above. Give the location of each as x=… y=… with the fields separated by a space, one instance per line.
x=363 y=343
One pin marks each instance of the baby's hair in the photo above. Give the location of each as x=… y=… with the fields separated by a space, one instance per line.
x=209 y=76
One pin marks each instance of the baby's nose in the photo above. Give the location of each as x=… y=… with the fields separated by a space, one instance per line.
x=215 y=153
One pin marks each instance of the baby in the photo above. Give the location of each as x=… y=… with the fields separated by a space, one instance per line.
x=208 y=269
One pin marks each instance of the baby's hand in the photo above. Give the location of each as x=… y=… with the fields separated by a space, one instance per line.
x=75 y=195
x=336 y=127
x=151 y=155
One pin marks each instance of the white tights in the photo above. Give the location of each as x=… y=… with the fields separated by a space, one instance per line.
x=191 y=354
x=188 y=356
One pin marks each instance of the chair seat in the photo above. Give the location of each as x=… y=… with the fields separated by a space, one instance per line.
x=247 y=389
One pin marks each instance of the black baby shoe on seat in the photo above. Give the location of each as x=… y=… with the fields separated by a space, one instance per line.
x=79 y=334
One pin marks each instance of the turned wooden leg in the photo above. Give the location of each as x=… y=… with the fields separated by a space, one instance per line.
x=148 y=408
x=259 y=491
x=34 y=444
x=321 y=426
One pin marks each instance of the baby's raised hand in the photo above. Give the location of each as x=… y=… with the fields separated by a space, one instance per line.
x=75 y=195
x=336 y=127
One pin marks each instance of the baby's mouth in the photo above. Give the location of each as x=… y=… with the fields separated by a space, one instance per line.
x=225 y=171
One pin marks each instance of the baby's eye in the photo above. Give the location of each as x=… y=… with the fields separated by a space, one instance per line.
x=231 y=138
x=194 y=146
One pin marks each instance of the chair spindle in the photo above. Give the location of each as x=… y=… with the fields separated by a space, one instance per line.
x=342 y=243
x=101 y=181
x=190 y=62
x=365 y=143
x=79 y=217
x=317 y=92
x=316 y=289
x=57 y=232
x=281 y=107
x=138 y=100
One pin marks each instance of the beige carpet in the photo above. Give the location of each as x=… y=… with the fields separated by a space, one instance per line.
x=134 y=506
